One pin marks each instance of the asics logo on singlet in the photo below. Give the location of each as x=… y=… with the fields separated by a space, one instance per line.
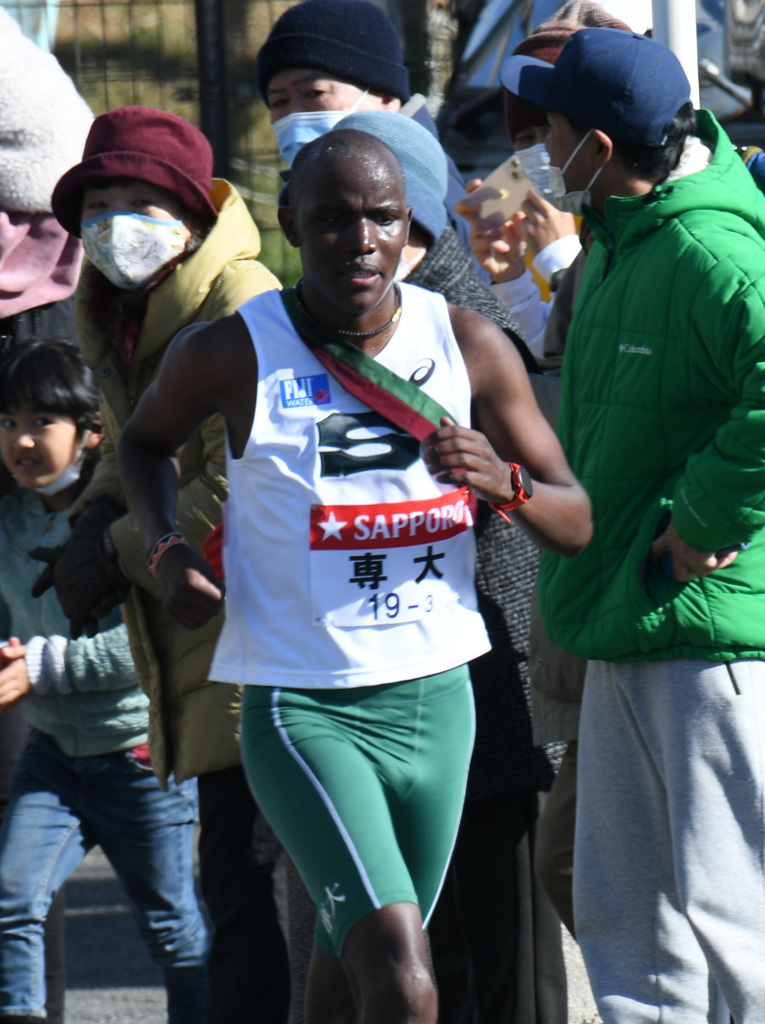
x=423 y=372
x=355 y=443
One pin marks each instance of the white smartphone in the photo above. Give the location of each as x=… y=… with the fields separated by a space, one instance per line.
x=502 y=193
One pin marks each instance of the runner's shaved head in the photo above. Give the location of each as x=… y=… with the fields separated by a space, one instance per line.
x=346 y=212
x=348 y=147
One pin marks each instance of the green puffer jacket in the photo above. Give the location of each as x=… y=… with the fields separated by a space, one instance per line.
x=193 y=723
x=663 y=412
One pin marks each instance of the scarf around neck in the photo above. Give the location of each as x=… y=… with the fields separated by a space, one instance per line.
x=400 y=401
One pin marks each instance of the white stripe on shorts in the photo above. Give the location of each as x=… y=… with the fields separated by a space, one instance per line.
x=277 y=720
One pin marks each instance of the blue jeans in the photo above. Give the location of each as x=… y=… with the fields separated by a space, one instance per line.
x=60 y=807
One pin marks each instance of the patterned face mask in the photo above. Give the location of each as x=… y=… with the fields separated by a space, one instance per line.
x=130 y=249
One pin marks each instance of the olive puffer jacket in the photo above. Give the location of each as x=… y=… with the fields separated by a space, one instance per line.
x=193 y=725
x=663 y=413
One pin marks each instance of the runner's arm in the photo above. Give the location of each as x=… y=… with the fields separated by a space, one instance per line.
x=511 y=428
x=207 y=369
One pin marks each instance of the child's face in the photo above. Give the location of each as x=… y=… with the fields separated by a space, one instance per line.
x=37 y=447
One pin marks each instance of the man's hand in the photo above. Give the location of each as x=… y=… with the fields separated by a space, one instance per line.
x=189 y=588
x=688 y=564
x=14 y=681
x=86 y=573
x=543 y=223
x=499 y=250
x=461 y=456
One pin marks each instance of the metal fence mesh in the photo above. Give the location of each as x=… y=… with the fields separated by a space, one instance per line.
x=146 y=52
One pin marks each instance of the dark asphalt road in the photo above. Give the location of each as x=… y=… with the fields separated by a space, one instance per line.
x=111 y=978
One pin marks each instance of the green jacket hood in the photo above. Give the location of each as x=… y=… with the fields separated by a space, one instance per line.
x=707 y=191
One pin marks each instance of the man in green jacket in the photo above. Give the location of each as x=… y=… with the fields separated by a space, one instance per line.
x=662 y=420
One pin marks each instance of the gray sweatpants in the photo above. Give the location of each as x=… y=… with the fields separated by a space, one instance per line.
x=669 y=857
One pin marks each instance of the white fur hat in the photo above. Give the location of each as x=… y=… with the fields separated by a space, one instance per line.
x=43 y=122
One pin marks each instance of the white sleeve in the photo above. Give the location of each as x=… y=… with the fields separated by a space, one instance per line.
x=54 y=663
x=523 y=298
x=46 y=668
x=558 y=255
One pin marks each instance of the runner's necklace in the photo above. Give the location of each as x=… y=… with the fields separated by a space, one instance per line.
x=352 y=334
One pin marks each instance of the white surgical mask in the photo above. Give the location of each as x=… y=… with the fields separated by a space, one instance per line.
x=296 y=130
x=535 y=164
x=129 y=248
x=70 y=475
x=570 y=202
x=403 y=269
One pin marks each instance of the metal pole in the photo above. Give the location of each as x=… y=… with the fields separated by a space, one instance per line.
x=211 y=65
x=674 y=25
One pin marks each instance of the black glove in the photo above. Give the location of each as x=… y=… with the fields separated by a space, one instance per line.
x=85 y=570
x=45 y=580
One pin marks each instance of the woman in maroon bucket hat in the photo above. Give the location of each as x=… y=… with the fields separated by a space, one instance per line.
x=168 y=246
x=153 y=146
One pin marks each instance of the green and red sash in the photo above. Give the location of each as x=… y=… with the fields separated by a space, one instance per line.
x=400 y=401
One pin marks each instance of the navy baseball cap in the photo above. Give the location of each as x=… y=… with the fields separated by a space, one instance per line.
x=625 y=84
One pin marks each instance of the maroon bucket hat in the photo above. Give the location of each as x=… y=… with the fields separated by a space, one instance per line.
x=138 y=142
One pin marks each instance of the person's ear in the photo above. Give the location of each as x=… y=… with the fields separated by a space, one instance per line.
x=390 y=102
x=408 y=222
x=288 y=225
x=93 y=440
x=604 y=147
x=95 y=434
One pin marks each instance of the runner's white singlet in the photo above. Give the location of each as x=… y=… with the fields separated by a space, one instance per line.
x=346 y=563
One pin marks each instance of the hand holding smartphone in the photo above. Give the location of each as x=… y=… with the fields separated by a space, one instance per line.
x=502 y=193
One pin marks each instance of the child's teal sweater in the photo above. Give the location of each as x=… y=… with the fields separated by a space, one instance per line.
x=106 y=710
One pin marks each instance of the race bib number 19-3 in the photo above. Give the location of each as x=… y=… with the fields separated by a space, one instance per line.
x=376 y=565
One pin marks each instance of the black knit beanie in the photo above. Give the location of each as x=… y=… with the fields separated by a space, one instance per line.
x=351 y=40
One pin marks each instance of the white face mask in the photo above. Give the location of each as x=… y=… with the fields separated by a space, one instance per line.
x=403 y=268
x=570 y=202
x=130 y=249
x=535 y=164
x=296 y=130
x=70 y=475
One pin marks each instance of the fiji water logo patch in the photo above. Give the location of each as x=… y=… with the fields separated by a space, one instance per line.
x=301 y=391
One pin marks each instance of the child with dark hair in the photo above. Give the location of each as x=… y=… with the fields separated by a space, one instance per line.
x=83 y=777
x=50 y=376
